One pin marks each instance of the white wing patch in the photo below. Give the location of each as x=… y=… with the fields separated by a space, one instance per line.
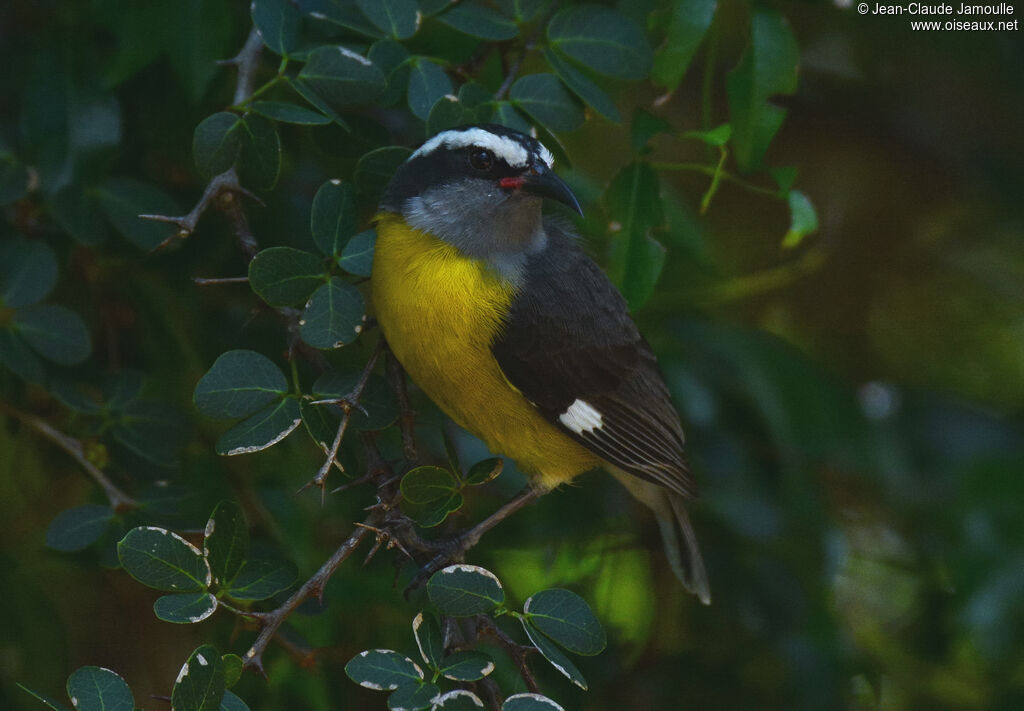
x=508 y=149
x=581 y=417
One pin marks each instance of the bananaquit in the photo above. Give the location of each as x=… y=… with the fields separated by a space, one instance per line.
x=498 y=315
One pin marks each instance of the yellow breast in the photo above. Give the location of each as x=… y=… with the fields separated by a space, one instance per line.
x=440 y=312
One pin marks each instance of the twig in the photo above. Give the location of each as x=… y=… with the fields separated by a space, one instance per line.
x=246 y=61
x=513 y=71
x=119 y=501
x=314 y=587
x=518 y=652
x=348 y=403
x=407 y=416
x=216 y=281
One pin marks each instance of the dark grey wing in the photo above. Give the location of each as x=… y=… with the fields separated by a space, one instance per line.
x=572 y=349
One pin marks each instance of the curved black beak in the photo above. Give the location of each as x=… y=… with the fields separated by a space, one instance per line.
x=543 y=182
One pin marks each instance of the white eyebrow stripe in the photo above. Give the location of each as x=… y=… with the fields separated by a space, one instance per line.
x=508 y=149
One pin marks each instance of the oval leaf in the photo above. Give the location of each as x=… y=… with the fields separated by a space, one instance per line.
x=99 y=689
x=289 y=113
x=334 y=315
x=259 y=161
x=163 y=560
x=566 y=618
x=425 y=484
x=333 y=216
x=231 y=702
x=54 y=332
x=382 y=669
x=185 y=608
x=262 y=578
x=479 y=21
x=278 y=24
x=550 y=651
x=546 y=99
x=28 y=271
x=530 y=702
x=238 y=384
x=226 y=541
x=262 y=430
x=428 y=638
x=357 y=256
x=413 y=697
x=463 y=590
x=484 y=471
x=583 y=87
x=283 y=276
x=78 y=528
x=397 y=18
x=427 y=84
x=466 y=666
x=602 y=39
x=458 y=700
x=434 y=512
x=342 y=78
x=153 y=430
x=374 y=170
x=200 y=683
x=803 y=219
x=124 y=199
x=690 y=22
x=216 y=143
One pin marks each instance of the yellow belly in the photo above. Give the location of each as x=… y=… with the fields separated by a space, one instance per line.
x=440 y=313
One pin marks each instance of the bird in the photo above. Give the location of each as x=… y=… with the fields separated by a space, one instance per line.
x=496 y=312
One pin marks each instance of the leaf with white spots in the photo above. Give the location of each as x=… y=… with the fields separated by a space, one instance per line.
x=566 y=618
x=99 y=689
x=163 y=560
x=457 y=700
x=530 y=702
x=428 y=638
x=462 y=590
x=264 y=429
x=334 y=316
x=238 y=384
x=341 y=78
x=550 y=651
x=413 y=697
x=185 y=608
x=466 y=666
x=226 y=541
x=261 y=578
x=382 y=669
x=201 y=682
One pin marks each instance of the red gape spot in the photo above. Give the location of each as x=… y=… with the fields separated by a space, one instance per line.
x=511 y=183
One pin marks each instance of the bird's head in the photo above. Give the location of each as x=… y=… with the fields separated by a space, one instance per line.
x=480 y=189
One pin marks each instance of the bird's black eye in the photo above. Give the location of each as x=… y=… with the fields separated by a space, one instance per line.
x=481 y=159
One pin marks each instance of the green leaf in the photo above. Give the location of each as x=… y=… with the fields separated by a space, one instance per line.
x=583 y=87
x=233 y=667
x=566 y=618
x=425 y=484
x=216 y=143
x=153 y=430
x=16 y=355
x=122 y=388
x=767 y=67
x=163 y=560
x=374 y=170
x=397 y=18
x=77 y=211
x=124 y=199
x=690 y=22
x=484 y=471
x=334 y=316
x=200 y=683
x=377 y=405
x=382 y=669
x=54 y=332
x=391 y=58
x=78 y=528
x=427 y=83
x=803 y=219
x=458 y=700
x=317 y=102
x=239 y=383
x=321 y=423
x=715 y=137
x=185 y=608
x=333 y=217
x=466 y=666
x=49 y=701
x=428 y=638
x=530 y=702
x=193 y=55
x=261 y=578
x=341 y=77
x=283 y=276
x=14 y=178
x=448 y=113
x=343 y=14
x=289 y=113
x=262 y=430
x=357 y=256
x=602 y=39
x=433 y=513
x=633 y=202
x=259 y=162
x=478 y=21
x=413 y=696
x=28 y=271
x=99 y=689
x=464 y=590
x=550 y=651
x=226 y=542
x=784 y=176
x=506 y=114
x=546 y=99
x=646 y=126
x=231 y=702
x=278 y=24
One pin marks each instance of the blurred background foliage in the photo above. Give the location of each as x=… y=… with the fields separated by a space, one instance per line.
x=849 y=363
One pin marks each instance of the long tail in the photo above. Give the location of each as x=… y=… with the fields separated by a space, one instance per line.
x=677 y=534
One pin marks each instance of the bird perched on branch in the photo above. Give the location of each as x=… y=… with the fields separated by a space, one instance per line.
x=499 y=316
